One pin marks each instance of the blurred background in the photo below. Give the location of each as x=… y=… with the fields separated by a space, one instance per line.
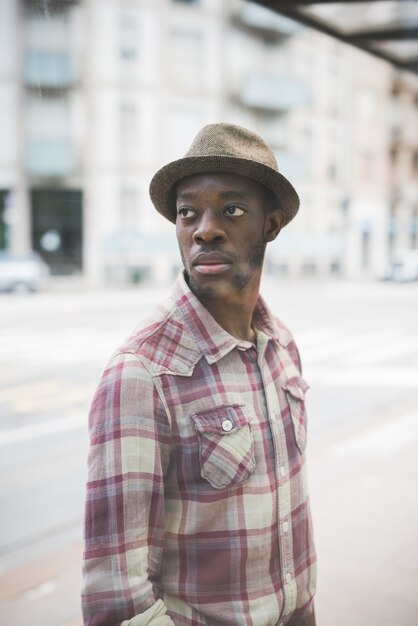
x=96 y=95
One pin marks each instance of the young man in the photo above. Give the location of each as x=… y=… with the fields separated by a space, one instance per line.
x=197 y=512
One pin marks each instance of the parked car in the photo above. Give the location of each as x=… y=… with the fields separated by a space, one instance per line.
x=22 y=272
x=404 y=267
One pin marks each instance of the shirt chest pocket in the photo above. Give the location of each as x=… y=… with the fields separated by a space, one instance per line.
x=226 y=449
x=295 y=390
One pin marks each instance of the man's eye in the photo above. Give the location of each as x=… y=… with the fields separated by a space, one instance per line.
x=234 y=210
x=184 y=212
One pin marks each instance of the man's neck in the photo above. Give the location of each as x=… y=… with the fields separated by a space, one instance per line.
x=234 y=317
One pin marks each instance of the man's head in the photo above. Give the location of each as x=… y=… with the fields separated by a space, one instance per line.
x=225 y=149
x=227 y=200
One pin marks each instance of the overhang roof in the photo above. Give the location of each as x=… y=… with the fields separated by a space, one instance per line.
x=387 y=29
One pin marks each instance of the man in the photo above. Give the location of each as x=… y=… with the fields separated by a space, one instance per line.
x=197 y=510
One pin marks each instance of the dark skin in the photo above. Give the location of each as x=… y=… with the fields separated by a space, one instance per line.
x=224 y=222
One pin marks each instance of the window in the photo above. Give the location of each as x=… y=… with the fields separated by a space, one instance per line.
x=128 y=38
x=128 y=126
x=48 y=117
x=366 y=232
x=366 y=104
x=182 y=122
x=128 y=208
x=5 y=214
x=185 y=59
x=413 y=232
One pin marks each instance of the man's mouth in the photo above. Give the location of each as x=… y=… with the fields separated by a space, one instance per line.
x=211 y=263
x=212 y=268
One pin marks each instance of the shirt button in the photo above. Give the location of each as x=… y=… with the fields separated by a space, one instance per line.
x=282 y=471
x=288 y=578
x=227 y=426
x=285 y=527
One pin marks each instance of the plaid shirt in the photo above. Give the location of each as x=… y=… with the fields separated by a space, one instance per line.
x=197 y=509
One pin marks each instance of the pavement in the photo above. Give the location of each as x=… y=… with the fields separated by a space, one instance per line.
x=365 y=514
x=365 y=510
x=359 y=345
x=44 y=591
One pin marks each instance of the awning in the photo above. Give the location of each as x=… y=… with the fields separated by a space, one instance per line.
x=387 y=29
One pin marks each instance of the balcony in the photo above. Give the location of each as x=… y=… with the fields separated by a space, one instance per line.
x=53 y=5
x=265 y=22
x=50 y=157
x=273 y=93
x=53 y=70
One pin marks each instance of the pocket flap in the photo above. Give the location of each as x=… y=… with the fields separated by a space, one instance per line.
x=221 y=420
x=297 y=387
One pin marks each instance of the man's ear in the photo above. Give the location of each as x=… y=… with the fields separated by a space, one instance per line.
x=274 y=223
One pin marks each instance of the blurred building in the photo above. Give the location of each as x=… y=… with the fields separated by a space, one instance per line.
x=95 y=96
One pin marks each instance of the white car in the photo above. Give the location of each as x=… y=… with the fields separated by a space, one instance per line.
x=404 y=268
x=22 y=272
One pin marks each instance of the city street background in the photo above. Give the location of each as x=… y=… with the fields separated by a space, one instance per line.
x=359 y=346
x=94 y=98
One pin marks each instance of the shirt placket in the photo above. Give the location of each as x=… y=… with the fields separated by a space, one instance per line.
x=283 y=482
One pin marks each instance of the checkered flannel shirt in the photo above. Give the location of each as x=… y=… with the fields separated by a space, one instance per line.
x=197 y=509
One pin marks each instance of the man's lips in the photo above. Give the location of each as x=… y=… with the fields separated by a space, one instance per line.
x=212 y=268
x=211 y=262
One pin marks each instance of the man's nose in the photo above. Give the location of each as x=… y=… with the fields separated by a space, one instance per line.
x=208 y=229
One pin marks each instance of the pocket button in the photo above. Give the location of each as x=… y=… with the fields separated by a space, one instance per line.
x=227 y=426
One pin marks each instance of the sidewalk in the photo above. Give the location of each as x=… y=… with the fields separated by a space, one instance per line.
x=365 y=507
x=363 y=492
x=44 y=592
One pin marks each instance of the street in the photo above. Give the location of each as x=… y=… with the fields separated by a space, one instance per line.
x=359 y=348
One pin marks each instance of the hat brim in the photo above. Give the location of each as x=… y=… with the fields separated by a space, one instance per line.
x=163 y=183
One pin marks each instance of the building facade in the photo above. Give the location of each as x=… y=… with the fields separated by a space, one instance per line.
x=95 y=95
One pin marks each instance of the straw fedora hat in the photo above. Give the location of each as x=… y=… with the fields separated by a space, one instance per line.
x=224 y=148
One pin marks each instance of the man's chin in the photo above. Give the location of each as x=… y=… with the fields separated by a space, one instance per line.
x=215 y=288
x=205 y=291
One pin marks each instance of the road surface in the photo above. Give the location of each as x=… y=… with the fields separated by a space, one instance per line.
x=359 y=346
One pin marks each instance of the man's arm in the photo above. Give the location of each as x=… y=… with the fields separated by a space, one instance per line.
x=124 y=523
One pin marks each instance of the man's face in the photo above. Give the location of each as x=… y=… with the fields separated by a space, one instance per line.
x=223 y=223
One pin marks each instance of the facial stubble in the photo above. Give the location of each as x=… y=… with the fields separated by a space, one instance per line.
x=239 y=280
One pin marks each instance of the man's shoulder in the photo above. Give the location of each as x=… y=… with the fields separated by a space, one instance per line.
x=162 y=342
x=284 y=334
x=287 y=341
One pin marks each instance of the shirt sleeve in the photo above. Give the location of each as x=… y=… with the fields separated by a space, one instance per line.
x=130 y=445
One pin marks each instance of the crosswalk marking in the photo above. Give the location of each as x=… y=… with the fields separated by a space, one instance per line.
x=395 y=377
x=68 y=397
x=354 y=346
x=317 y=336
x=41 y=429
x=9 y=394
x=58 y=347
x=87 y=345
x=331 y=358
x=387 y=351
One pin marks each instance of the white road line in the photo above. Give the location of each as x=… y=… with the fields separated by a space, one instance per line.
x=42 y=387
x=395 y=377
x=383 y=440
x=317 y=336
x=44 y=589
x=349 y=344
x=389 y=350
x=42 y=429
x=59 y=347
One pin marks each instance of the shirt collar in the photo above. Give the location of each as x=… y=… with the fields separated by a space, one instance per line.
x=212 y=339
